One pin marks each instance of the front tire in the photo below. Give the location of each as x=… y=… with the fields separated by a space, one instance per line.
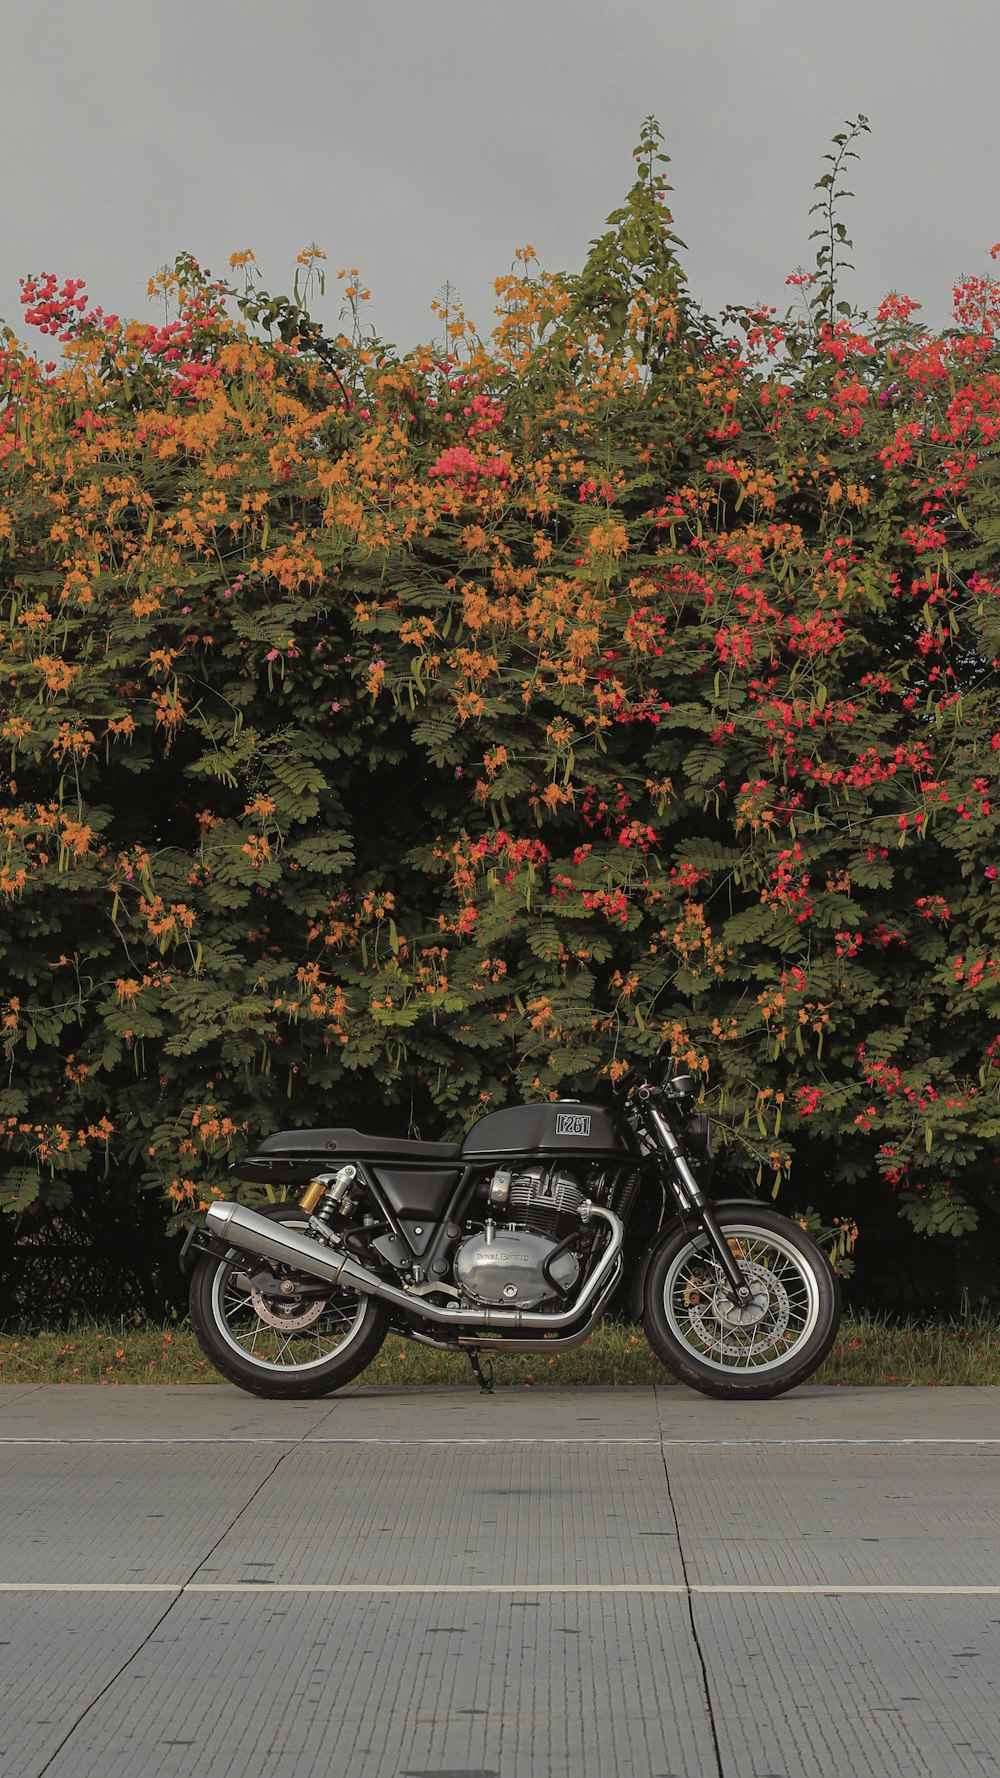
x=290 y=1347
x=750 y=1353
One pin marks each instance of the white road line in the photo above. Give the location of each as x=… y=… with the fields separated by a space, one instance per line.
x=507 y=1439
x=406 y=1443
x=823 y=1589
x=723 y=1443
x=31 y=1439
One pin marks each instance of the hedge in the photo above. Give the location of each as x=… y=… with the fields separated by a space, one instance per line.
x=390 y=736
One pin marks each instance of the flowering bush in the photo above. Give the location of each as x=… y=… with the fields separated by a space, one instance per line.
x=388 y=736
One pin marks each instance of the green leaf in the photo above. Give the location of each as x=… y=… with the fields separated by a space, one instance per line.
x=19 y=1187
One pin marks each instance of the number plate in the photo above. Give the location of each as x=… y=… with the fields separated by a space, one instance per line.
x=572 y=1123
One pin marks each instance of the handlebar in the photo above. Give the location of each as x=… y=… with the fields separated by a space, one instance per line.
x=642 y=1089
x=681 y=1086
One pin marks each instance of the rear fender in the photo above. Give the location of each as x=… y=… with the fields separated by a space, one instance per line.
x=200 y=1243
x=667 y=1233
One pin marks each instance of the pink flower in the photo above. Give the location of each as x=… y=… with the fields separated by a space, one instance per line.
x=455 y=461
x=271 y=655
x=990 y=872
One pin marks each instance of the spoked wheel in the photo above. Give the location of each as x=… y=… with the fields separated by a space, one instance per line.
x=749 y=1350
x=280 y=1333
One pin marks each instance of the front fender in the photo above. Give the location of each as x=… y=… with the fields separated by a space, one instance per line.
x=666 y=1233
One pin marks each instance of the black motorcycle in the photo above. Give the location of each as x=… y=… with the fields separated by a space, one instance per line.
x=510 y=1241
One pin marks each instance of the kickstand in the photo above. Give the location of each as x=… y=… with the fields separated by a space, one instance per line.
x=484 y=1375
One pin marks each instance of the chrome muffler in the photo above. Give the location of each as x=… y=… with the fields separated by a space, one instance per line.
x=257 y=1234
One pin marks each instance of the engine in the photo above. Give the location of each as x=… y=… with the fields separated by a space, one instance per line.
x=515 y=1262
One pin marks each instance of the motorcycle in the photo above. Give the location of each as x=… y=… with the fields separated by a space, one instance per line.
x=509 y=1241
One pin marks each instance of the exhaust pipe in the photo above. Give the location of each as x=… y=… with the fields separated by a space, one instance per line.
x=256 y=1234
x=538 y=1342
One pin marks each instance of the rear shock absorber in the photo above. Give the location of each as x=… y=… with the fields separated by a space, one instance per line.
x=327 y=1196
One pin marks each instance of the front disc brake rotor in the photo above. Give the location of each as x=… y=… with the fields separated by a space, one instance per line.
x=287 y=1316
x=719 y=1320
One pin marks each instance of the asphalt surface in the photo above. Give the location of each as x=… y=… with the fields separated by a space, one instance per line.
x=627 y=1583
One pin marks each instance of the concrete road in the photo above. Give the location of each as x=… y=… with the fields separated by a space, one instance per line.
x=627 y=1583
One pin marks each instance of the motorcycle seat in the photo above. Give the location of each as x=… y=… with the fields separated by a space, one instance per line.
x=333 y=1146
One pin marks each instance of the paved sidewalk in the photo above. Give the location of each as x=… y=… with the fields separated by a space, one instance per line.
x=431 y=1584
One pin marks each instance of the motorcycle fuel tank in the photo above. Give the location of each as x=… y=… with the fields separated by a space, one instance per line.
x=564 y=1127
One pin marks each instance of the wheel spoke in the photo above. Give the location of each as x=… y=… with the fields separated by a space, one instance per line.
x=253 y=1325
x=756 y=1336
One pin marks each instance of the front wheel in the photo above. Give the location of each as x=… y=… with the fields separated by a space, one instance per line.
x=744 y=1351
x=276 y=1333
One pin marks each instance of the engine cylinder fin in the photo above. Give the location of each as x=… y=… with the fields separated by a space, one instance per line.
x=544 y=1189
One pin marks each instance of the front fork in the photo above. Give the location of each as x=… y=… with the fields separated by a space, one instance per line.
x=693 y=1202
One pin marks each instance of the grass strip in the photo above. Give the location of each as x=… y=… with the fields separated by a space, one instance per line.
x=869 y=1351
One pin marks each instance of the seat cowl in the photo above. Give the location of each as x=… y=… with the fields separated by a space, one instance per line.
x=331 y=1147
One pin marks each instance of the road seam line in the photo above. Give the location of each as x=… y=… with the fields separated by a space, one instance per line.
x=178 y=1593
x=696 y=1639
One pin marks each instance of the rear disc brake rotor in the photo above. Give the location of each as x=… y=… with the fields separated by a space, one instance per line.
x=287 y=1317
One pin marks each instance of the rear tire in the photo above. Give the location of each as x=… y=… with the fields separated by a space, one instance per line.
x=695 y=1329
x=342 y=1335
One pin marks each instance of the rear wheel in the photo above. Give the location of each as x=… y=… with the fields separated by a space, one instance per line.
x=268 y=1333
x=743 y=1351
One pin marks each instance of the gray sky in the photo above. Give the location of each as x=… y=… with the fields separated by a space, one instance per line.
x=424 y=140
